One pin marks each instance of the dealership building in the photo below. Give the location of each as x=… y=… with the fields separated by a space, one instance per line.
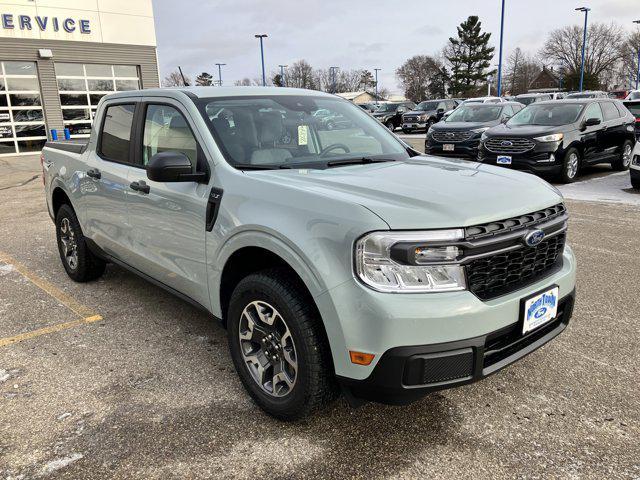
x=58 y=58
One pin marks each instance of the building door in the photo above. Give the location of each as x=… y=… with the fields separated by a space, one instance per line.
x=22 y=125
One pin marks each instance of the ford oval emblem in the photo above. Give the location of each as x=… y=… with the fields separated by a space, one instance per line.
x=534 y=237
x=507 y=143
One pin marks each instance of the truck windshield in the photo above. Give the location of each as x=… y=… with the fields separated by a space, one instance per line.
x=287 y=131
x=387 y=107
x=427 y=106
x=526 y=100
x=475 y=113
x=547 y=114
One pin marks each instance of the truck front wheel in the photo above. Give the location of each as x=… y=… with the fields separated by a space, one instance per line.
x=79 y=262
x=278 y=346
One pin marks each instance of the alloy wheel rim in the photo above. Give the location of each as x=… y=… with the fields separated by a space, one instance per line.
x=267 y=349
x=572 y=165
x=626 y=155
x=69 y=243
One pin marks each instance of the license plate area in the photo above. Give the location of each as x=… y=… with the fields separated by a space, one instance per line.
x=539 y=309
x=503 y=160
x=448 y=147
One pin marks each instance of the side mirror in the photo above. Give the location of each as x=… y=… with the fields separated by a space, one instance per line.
x=171 y=167
x=592 y=122
x=440 y=110
x=506 y=118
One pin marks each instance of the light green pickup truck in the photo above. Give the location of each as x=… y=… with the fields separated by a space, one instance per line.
x=338 y=259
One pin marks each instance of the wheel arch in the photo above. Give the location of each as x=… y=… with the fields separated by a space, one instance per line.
x=58 y=198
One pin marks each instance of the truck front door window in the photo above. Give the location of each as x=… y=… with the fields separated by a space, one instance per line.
x=166 y=129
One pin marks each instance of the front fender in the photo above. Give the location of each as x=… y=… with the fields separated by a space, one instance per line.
x=276 y=244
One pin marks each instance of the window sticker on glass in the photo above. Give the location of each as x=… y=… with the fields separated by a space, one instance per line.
x=302 y=134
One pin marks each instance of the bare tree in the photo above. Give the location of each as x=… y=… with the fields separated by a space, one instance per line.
x=416 y=76
x=301 y=75
x=345 y=80
x=602 y=52
x=628 y=69
x=174 y=79
x=204 y=79
x=521 y=70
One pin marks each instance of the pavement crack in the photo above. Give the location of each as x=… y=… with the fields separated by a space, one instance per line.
x=22 y=184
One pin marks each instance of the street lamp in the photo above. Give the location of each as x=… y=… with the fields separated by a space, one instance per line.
x=584 y=41
x=282 y=81
x=332 y=74
x=220 y=65
x=637 y=22
x=261 y=37
x=500 y=55
x=377 y=70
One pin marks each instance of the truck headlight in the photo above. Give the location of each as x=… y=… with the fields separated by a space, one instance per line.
x=410 y=262
x=484 y=136
x=424 y=117
x=556 y=137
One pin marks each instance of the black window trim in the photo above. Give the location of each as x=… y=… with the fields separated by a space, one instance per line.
x=103 y=116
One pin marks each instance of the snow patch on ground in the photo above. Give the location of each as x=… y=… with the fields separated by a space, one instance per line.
x=59 y=463
x=6 y=269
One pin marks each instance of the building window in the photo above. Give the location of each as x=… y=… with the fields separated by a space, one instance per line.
x=81 y=86
x=22 y=125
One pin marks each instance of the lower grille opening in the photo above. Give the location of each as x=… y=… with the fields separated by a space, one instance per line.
x=440 y=367
x=506 y=343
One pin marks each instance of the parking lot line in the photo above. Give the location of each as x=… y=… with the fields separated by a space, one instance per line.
x=85 y=313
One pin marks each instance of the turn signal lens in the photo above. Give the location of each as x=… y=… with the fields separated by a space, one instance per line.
x=360 y=358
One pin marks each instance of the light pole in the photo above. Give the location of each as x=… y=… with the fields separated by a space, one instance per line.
x=500 y=55
x=584 y=41
x=282 y=81
x=637 y=22
x=220 y=65
x=333 y=78
x=262 y=36
x=377 y=70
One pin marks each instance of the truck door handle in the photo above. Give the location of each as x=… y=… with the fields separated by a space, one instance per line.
x=94 y=173
x=140 y=186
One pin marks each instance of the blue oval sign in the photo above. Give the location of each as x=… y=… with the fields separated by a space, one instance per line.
x=534 y=238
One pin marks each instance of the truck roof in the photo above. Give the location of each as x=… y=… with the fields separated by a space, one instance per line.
x=212 y=92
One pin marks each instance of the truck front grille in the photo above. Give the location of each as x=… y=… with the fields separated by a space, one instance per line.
x=502 y=273
x=503 y=226
x=411 y=119
x=505 y=145
x=451 y=136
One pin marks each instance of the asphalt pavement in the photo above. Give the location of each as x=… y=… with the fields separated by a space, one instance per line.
x=118 y=379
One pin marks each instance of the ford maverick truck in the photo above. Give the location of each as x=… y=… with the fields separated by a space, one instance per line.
x=338 y=260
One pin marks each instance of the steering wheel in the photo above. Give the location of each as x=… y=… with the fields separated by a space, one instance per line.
x=333 y=147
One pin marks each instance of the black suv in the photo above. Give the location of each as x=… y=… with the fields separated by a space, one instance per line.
x=561 y=136
x=459 y=134
x=426 y=114
x=390 y=113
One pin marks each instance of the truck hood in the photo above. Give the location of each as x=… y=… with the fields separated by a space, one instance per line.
x=505 y=130
x=425 y=192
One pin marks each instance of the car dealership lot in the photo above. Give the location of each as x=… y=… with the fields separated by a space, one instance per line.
x=118 y=378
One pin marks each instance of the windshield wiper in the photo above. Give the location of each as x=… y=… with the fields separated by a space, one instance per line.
x=357 y=161
x=251 y=166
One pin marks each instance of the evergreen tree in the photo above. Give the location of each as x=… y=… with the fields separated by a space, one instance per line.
x=469 y=56
x=204 y=79
x=277 y=80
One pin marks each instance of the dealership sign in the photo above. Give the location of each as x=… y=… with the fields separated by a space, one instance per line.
x=44 y=23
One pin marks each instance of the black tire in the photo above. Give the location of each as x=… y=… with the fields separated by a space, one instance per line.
x=86 y=266
x=568 y=174
x=315 y=384
x=430 y=124
x=623 y=162
x=390 y=125
x=635 y=183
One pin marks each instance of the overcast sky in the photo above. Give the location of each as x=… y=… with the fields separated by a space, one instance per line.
x=350 y=33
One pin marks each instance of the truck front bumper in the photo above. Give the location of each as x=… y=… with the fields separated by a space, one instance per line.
x=428 y=342
x=405 y=374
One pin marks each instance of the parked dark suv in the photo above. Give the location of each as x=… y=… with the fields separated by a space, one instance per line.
x=426 y=114
x=561 y=136
x=459 y=134
x=390 y=113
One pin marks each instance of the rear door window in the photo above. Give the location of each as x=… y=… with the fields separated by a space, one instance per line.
x=115 y=136
x=610 y=111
